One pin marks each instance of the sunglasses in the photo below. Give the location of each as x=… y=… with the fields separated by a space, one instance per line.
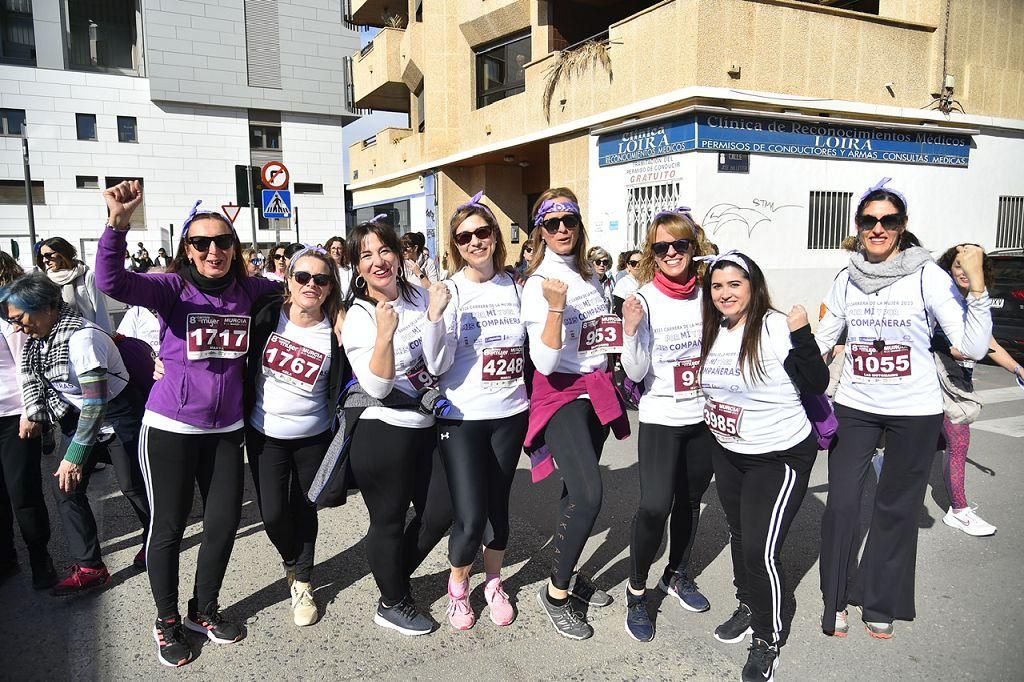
x=606 y=262
x=18 y=321
x=528 y=249
x=52 y=255
x=278 y=256
x=463 y=238
x=893 y=221
x=223 y=242
x=633 y=263
x=304 y=277
x=570 y=221
x=661 y=248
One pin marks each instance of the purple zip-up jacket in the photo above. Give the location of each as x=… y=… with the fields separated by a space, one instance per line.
x=203 y=393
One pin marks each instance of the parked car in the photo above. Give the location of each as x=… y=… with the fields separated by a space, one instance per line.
x=1008 y=301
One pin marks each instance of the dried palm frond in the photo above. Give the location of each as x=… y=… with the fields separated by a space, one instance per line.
x=572 y=63
x=395 y=21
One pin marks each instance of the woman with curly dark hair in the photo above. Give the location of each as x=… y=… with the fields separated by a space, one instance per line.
x=962 y=515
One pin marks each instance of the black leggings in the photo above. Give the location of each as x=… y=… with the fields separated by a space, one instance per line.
x=21 y=493
x=480 y=458
x=172 y=464
x=576 y=438
x=885 y=582
x=761 y=495
x=393 y=467
x=282 y=471
x=675 y=470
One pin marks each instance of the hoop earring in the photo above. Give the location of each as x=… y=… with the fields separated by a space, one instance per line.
x=360 y=284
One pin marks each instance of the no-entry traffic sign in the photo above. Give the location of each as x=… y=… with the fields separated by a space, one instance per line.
x=274 y=175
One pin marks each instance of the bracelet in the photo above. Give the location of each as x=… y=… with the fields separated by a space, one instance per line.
x=1015 y=369
x=979 y=293
x=119 y=229
x=555 y=310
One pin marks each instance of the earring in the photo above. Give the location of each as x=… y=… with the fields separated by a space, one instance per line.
x=360 y=282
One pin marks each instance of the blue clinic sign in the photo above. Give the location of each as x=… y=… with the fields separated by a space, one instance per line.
x=797 y=137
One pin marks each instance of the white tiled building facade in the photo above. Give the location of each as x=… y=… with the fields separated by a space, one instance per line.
x=204 y=85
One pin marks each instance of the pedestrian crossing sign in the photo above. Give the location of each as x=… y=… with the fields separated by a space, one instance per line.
x=277 y=203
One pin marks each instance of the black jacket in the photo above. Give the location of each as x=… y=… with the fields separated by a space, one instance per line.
x=265 y=315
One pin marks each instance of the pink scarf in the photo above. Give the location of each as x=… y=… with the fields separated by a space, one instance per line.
x=674 y=289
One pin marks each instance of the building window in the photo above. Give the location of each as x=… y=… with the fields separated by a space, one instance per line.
x=1010 y=229
x=264 y=137
x=127 y=129
x=103 y=35
x=12 y=193
x=501 y=70
x=12 y=122
x=309 y=188
x=419 y=10
x=87 y=182
x=397 y=213
x=421 y=110
x=86 y=126
x=828 y=220
x=139 y=217
x=642 y=203
x=17 y=35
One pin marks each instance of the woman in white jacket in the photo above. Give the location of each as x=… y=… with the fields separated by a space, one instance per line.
x=58 y=259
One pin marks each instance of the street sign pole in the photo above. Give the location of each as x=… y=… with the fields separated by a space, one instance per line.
x=295 y=212
x=252 y=206
x=28 y=190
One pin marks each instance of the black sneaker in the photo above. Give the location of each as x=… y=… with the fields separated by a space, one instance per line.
x=583 y=588
x=762 y=661
x=403 y=617
x=44 y=575
x=172 y=649
x=567 y=620
x=9 y=568
x=736 y=628
x=209 y=622
x=638 y=621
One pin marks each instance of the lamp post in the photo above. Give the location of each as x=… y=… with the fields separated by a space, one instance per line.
x=28 y=189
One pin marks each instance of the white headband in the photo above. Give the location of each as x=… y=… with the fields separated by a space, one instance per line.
x=732 y=256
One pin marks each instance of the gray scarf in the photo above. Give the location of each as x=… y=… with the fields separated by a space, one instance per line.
x=871 y=277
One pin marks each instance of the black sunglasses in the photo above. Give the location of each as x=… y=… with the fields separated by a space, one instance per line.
x=463 y=238
x=606 y=262
x=661 y=248
x=570 y=221
x=223 y=242
x=633 y=263
x=18 y=321
x=278 y=256
x=52 y=255
x=893 y=221
x=304 y=277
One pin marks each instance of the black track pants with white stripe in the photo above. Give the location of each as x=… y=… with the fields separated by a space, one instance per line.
x=761 y=495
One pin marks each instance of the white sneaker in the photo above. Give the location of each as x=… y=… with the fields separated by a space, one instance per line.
x=303 y=606
x=969 y=522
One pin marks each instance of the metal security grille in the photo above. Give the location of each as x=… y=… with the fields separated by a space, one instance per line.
x=1010 y=229
x=828 y=219
x=641 y=205
x=262 y=43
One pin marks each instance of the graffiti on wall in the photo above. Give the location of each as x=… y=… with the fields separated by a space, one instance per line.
x=760 y=213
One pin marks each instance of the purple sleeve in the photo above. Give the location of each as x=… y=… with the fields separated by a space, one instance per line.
x=258 y=286
x=156 y=291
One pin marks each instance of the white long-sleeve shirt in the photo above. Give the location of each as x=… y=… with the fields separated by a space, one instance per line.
x=359 y=335
x=585 y=302
x=12 y=341
x=900 y=379
x=664 y=354
x=480 y=348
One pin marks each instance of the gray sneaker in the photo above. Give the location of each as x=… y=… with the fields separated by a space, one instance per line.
x=583 y=588
x=567 y=620
x=878 y=630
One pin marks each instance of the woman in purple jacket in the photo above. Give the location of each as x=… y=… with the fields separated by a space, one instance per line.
x=193 y=428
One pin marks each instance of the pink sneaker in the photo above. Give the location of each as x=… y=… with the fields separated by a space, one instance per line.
x=460 y=615
x=502 y=611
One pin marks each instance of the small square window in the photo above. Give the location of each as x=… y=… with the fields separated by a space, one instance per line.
x=828 y=219
x=501 y=70
x=87 y=182
x=86 y=126
x=12 y=193
x=12 y=121
x=309 y=188
x=127 y=129
x=1010 y=225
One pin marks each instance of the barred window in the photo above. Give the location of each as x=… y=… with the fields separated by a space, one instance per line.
x=642 y=203
x=828 y=219
x=1010 y=228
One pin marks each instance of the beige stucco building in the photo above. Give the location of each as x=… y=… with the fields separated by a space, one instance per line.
x=514 y=96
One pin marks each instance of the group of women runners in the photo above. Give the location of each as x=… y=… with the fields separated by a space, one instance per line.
x=432 y=390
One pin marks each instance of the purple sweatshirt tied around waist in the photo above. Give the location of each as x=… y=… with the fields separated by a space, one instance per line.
x=204 y=393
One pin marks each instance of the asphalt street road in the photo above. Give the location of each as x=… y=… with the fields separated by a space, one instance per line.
x=969 y=594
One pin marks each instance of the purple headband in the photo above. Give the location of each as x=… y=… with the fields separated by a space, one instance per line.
x=476 y=202
x=682 y=210
x=731 y=256
x=306 y=248
x=550 y=206
x=196 y=213
x=880 y=185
